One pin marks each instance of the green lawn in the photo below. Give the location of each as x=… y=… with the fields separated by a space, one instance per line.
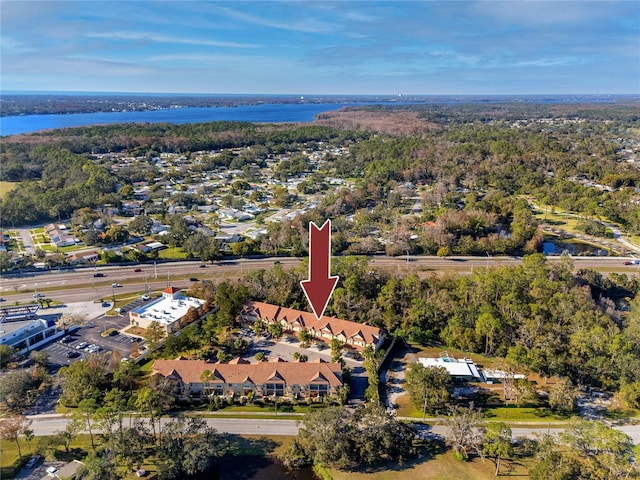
x=10 y=463
x=172 y=253
x=6 y=187
x=441 y=466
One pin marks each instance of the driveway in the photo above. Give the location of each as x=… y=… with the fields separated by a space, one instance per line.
x=27 y=241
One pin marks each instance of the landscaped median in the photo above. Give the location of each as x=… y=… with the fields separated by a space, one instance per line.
x=109 y=332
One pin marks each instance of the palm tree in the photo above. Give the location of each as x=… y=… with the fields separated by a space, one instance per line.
x=205 y=378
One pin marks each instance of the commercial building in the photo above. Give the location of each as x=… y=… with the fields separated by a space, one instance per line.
x=459 y=369
x=239 y=377
x=166 y=310
x=23 y=330
x=466 y=370
x=352 y=334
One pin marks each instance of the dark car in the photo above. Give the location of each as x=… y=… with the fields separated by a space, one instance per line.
x=138 y=270
x=193 y=279
x=73 y=354
x=98 y=274
x=66 y=339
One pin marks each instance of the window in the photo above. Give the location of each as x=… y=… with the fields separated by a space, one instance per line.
x=318 y=389
x=274 y=389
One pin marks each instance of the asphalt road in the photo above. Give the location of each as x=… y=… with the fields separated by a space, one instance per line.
x=81 y=285
x=49 y=424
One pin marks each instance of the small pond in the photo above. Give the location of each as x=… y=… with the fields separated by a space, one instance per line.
x=552 y=246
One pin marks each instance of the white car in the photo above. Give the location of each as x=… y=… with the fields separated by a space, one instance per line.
x=82 y=345
x=115 y=285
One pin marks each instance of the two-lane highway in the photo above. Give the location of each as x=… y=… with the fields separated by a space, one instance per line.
x=49 y=424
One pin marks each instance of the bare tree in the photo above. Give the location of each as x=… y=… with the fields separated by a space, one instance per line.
x=465 y=432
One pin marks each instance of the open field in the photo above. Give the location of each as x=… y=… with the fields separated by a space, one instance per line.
x=441 y=466
x=6 y=187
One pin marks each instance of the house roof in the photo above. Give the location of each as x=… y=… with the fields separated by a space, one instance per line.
x=275 y=313
x=171 y=290
x=298 y=373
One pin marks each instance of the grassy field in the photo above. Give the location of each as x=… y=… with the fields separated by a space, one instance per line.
x=441 y=466
x=10 y=463
x=6 y=187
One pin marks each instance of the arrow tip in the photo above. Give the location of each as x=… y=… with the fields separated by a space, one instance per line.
x=318 y=293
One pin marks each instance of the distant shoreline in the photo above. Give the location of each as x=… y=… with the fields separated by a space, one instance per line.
x=58 y=103
x=35 y=113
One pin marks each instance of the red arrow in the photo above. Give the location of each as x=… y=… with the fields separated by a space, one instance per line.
x=320 y=285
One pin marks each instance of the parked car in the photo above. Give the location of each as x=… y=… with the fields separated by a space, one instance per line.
x=34 y=461
x=73 y=354
x=81 y=345
x=106 y=304
x=145 y=297
x=66 y=339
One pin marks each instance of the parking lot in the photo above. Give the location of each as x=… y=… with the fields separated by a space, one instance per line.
x=39 y=471
x=91 y=333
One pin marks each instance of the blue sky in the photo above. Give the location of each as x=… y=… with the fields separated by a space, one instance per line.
x=306 y=47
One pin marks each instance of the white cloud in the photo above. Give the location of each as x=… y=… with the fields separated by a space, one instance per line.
x=12 y=46
x=124 y=35
x=308 y=25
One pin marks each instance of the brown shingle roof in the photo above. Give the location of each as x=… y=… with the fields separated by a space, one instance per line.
x=370 y=334
x=297 y=373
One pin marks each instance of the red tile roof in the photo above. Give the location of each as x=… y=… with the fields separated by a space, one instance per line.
x=190 y=371
x=171 y=290
x=274 y=313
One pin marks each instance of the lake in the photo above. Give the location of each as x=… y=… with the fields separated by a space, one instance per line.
x=263 y=113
